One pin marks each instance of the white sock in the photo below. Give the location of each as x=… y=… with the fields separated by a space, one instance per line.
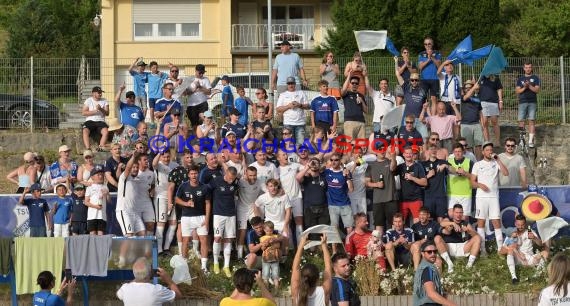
x=204 y=263
x=481 y=232
x=160 y=237
x=240 y=251
x=530 y=137
x=216 y=252
x=298 y=232
x=170 y=232
x=499 y=238
x=227 y=254
x=471 y=261
x=447 y=259
x=511 y=265
x=179 y=248
x=196 y=246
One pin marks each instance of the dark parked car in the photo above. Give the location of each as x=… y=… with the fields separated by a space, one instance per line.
x=15 y=112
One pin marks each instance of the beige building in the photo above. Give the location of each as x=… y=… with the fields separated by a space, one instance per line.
x=227 y=36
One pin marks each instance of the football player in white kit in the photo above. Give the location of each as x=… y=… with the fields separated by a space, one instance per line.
x=144 y=203
x=249 y=190
x=287 y=175
x=163 y=211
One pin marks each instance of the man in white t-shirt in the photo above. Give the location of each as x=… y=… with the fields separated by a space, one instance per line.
x=144 y=206
x=519 y=248
x=200 y=89
x=265 y=170
x=292 y=104
x=95 y=109
x=383 y=101
x=287 y=176
x=141 y=292
x=163 y=211
x=485 y=177
x=250 y=188
x=274 y=206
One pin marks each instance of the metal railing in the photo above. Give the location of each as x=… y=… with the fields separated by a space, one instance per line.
x=301 y=36
x=58 y=87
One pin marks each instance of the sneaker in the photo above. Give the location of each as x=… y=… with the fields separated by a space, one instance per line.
x=449 y=269
x=217 y=268
x=531 y=144
x=227 y=271
x=205 y=271
x=515 y=281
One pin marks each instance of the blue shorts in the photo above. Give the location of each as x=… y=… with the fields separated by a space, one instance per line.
x=527 y=111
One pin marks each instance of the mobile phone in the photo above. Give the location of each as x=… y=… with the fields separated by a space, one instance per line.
x=68 y=275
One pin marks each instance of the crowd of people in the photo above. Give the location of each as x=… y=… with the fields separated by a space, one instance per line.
x=437 y=170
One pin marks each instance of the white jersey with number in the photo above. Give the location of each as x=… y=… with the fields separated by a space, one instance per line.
x=487 y=172
x=287 y=176
x=126 y=193
x=162 y=171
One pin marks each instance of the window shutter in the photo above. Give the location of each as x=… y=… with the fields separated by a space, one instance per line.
x=166 y=11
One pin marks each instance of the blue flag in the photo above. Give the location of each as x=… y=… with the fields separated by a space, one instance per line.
x=466 y=45
x=391 y=48
x=496 y=62
x=469 y=57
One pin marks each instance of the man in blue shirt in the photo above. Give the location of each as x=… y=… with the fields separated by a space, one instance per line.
x=241 y=105
x=130 y=114
x=163 y=105
x=140 y=78
x=343 y=288
x=253 y=258
x=155 y=80
x=324 y=109
x=428 y=62
x=227 y=97
x=414 y=97
x=398 y=242
x=527 y=87
x=339 y=183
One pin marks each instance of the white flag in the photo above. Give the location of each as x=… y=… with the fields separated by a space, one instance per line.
x=393 y=118
x=371 y=40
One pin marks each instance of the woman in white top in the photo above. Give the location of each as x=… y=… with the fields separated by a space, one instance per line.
x=24 y=175
x=304 y=288
x=84 y=171
x=558 y=291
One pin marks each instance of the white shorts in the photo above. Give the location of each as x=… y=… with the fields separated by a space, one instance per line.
x=225 y=226
x=465 y=201
x=243 y=216
x=527 y=259
x=358 y=204
x=297 y=207
x=61 y=230
x=130 y=223
x=189 y=224
x=146 y=211
x=161 y=210
x=487 y=208
x=457 y=249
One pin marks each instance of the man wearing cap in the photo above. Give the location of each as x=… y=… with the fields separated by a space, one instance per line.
x=165 y=104
x=292 y=104
x=485 y=177
x=140 y=78
x=130 y=114
x=233 y=126
x=95 y=109
x=227 y=97
x=471 y=114
x=200 y=89
x=287 y=64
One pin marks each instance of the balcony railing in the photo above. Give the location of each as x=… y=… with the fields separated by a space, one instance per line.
x=301 y=36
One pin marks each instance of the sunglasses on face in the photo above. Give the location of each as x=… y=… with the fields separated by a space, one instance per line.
x=88 y=157
x=510 y=146
x=173 y=71
x=354 y=83
x=409 y=122
x=414 y=80
x=335 y=160
x=427 y=44
x=430 y=251
x=434 y=139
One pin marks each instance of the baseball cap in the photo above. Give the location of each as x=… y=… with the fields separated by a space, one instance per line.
x=486 y=144
x=60 y=184
x=208 y=114
x=226 y=78
x=97 y=169
x=79 y=186
x=130 y=94
x=201 y=68
x=29 y=156
x=35 y=187
x=285 y=42
x=231 y=132
x=97 y=89
x=64 y=148
x=235 y=112
x=141 y=63
x=87 y=153
x=291 y=80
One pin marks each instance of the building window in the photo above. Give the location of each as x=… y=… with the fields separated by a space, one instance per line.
x=166 y=19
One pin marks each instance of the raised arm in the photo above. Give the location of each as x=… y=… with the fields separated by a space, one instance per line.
x=398 y=72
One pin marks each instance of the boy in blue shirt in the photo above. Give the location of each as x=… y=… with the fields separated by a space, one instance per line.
x=38 y=209
x=61 y=212
x=324 y=109
x=140 y=78
x=155 y=80
x=227 y=97
x=241 y=104
x=129 y=113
